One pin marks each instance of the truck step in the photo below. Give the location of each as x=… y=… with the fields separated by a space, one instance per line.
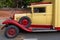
x=41 y=28
x=44 y=30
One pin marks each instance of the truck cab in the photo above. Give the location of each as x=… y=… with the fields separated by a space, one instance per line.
x=40 y=15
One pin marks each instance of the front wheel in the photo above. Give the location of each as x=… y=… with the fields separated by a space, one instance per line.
x=11 y=31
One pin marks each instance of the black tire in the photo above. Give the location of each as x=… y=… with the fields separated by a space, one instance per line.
x=8 y=28
x=27 y=18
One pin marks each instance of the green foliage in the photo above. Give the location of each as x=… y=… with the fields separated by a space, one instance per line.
x=9 y=3
x=12 y=3
x=6 y=3
x=36 y=0
x=29 y=1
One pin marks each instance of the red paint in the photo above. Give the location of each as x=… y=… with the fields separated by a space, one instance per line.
x=25 y=22
x=57 y=28
x=23 y=28
x=17 y=24
x=11 y=32
x=41 y=26
x=40 y=3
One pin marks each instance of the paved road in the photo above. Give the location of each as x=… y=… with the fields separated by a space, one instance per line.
x=35 y=36
x=39 y=36
x=44 y=36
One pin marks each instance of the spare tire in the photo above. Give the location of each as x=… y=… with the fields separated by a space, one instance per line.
x=25 y=21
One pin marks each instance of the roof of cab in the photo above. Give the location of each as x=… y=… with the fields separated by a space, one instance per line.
x=38 y=4
x=35 y=3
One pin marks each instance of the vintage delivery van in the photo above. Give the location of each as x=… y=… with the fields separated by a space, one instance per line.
x=38 y=17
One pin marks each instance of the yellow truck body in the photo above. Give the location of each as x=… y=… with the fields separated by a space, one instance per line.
x=50 y=14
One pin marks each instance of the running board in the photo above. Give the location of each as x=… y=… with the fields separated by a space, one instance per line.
x=41 y=28
x=44 y=30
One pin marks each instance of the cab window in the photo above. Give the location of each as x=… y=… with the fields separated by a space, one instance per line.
x=40 y=10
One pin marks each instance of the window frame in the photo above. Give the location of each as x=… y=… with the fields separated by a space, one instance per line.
x=41 y=12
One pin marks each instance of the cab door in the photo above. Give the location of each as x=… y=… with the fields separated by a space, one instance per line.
x=42 y=16
x=39 y=16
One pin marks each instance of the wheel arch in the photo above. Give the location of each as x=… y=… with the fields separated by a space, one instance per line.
x=27 y=17
x=14 y=22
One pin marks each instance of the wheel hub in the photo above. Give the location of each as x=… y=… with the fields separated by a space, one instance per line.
x=11 y=31
x=25 y=22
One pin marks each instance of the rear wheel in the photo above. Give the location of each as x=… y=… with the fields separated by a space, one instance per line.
x=25 y=21
x=11 y=31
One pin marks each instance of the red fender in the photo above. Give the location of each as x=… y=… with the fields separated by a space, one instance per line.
x=17 y=24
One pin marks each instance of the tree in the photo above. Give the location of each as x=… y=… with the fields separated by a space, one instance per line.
x=16 y=3
x=27 y=2
x=6 y=3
